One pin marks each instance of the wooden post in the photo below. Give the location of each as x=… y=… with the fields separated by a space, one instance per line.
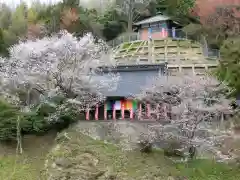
x=96 y=112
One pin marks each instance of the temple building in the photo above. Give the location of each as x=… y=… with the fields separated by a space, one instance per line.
x=159 y=26
x=120 y=103
x=158 y=47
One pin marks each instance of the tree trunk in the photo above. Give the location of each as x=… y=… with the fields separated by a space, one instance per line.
x=130 y=15
x=205 y=45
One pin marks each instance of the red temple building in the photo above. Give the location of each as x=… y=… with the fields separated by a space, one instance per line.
x=157 y=27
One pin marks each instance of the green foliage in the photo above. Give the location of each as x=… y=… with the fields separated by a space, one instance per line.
x=71 y=3
x=173 y=7
x=46 y=117
x=3 y=46
x=37 y=121
x=228 y=70
x=50 y=16
x=112 y=29
x=8 y=119
x=107 y=25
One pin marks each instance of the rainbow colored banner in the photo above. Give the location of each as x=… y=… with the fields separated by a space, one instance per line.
x=123 y=104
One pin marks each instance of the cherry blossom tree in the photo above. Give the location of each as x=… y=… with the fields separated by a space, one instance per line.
x=60 y=64
x=40 y=70
x=56 y=66
x=196 y=112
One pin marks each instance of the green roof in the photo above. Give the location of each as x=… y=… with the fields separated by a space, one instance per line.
x=153 y=19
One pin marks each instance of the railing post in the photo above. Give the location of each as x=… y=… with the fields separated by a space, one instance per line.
x=173 y=32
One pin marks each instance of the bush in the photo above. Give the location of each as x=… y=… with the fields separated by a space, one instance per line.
x=173 y=149
x=35 y=122
x=8 y=121
x=40 y=121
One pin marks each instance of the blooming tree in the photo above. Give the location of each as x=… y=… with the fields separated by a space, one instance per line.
x=195 y=108
x=59 y=65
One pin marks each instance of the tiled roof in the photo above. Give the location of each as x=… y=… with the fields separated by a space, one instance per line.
x=153 y=19
x=131 y=82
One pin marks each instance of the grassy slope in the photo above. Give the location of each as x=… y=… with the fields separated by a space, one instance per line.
x=128 y=165
x=15 y=168
x=28 y=165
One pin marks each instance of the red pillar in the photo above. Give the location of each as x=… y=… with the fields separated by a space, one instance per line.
x=140 y=111
x=114 y=113
x=96 y=112
x=122 y=113
x=131 y=113
x=148 y=111
x=87 y=113
x=105 y=111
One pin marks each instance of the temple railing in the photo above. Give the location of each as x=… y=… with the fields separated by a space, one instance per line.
x=177 y=34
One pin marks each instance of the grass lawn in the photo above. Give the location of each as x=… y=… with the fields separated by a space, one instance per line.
x=80 y=156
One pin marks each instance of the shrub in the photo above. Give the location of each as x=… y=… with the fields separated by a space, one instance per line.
x=8 y=121
x=35 y=122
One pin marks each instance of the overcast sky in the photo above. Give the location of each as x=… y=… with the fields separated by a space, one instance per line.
x=98 y=4
x=14 y=2
x=85 y=3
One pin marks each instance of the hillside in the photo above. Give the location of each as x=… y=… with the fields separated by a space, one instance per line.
x=77 y=156
x=204 y=8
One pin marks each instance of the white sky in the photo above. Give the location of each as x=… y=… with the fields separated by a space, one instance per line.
x=88 y=3
x=15 y=2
